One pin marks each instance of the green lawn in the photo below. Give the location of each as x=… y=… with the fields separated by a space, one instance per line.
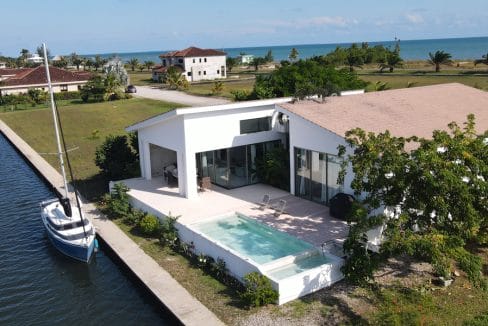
x=205 y=89
x=85 y=127
x=139 y=78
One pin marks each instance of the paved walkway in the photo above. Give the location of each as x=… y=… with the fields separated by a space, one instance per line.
x=177 y=97
x=176 y=298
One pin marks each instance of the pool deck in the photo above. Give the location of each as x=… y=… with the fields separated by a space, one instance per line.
x=187 y=309
x=302 y=218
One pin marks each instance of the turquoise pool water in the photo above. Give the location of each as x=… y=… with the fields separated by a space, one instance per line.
x=298 y=267
x=251 y=238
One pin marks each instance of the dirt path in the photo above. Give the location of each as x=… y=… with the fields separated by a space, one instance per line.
x=177 y=97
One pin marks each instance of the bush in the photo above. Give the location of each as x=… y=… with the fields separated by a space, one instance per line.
x=134 y=217
x=67 y=96
x=258 y=290
x=116 y=204
x=168 y=232
x=116 y=158
x=149 y=224
x=240 y=95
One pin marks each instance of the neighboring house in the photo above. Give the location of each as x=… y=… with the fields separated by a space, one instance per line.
x=34 y=58
x=3 y=65
x=245 y=59
x=15 y=81
x=224 y=143
x=193 y=63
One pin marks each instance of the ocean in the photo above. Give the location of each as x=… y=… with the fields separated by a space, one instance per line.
x=460 y=48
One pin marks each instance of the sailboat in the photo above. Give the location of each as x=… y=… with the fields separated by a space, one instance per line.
x=67 y=229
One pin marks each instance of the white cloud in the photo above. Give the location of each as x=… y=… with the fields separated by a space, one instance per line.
x=320 y=21
x=414 y=18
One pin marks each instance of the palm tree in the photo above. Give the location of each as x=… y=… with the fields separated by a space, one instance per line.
x=230 y=63
x=175 y=79
x=98 y=62
x=393 y=60
x=89 y=63
x=148 y=64
x=354 y=58
x=293 y=54
x=76 y=60
x=483 y=60
x=439 y=58
x=258 y=61
x=133 y=63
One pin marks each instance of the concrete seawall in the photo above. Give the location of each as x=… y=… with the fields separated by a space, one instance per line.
x=187 y=309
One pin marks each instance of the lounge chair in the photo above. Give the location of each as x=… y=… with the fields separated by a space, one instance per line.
x=280 y=207
x=265 y=202
x=205 y=184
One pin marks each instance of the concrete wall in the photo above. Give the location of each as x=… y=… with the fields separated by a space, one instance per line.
x=209 y=70
x=23 y=89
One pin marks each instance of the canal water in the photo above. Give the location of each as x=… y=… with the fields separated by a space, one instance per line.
x=39 y=286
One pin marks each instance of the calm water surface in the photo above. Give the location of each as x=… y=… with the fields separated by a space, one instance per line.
x=39 y=286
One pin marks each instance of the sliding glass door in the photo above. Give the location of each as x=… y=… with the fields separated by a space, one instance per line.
x=316 y=175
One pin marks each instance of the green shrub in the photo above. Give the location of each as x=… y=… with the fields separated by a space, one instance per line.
x=149 y=224
x=240 y=95
x=258 y=290
x=134 y=217
x=67 y=95
x=168 y=235
x=116 y=158
x=116 y=204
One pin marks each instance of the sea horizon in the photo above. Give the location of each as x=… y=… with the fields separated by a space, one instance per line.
x=461 y=48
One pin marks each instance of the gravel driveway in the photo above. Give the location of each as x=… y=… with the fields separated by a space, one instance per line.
x=177 y=97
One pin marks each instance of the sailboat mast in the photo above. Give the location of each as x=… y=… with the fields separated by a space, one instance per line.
x=58 y=141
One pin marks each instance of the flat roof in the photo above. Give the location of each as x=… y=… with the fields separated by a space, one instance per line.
x=404 y=112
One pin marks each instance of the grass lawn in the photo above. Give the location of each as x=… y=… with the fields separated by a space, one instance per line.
x=140 y=78
x=229 y=85
x=85 y=127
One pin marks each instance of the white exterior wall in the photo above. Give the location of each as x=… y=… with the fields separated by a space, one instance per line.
x=208 y=70
x=24 y=89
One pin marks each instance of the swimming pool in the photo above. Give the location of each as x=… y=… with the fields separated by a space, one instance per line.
x=251 y=238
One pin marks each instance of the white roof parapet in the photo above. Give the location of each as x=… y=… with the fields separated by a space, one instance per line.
x=213 y=108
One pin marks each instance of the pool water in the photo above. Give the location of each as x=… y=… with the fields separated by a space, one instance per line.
x=251 y=238
x=297 y=267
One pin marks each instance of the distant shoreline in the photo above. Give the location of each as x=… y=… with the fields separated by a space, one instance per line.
x=467 y=48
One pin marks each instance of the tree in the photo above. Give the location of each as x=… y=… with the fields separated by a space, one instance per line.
x=258 y=61
x=61 y=63
x=483 y=60
x=99 y=62
x=293 y=56
x=269 y=56
x=437 y=194
x=141 y=67
x=393 y=60
x=116 y=159
x=76 y=60
x=40 y=51
x=89 y=63
x=95 y=88
x=354 y=58
x=175 y=79
x=230 y=63
x=148 y=64
x=306 y=77
x=24 y=53
x=217 y=87
x=133 y=63
x=439 y=58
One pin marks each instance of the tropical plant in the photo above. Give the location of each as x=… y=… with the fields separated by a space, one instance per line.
x=149 y=64
x=258 y=61
x=116 y=159
x=483 y=60
x=61 y=63
x=141 y=67
x=381 y=86
x=240 y=95
x=99 y=62
x=76 y=60
x=37 y=96
x=293 y=56
x=269 y=56
x=149 y=224
x=393 y=60
x=258 y=290
x=217 y=88
x=175 y=79
x=168 y=235
x=116 y=203
x=230 y=63
x=439 y=58
x=133 y=63
x=88 y=63
x=354 y=58
x=437 y=192
x=40 y=51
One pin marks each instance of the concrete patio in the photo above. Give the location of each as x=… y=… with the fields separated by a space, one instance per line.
x=302 y=218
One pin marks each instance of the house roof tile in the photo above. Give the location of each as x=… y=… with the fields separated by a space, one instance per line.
x=37 y=76
x=193 y=52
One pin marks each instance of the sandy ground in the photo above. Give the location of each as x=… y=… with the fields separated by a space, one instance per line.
x=177 y=97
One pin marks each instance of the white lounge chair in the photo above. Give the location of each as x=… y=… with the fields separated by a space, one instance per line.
x=265 y=202
x=280 y=207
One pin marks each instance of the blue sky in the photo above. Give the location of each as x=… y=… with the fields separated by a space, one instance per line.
x=110 y=26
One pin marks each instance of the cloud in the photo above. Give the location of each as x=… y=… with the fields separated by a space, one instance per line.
x=414 y=18
x=320 y=21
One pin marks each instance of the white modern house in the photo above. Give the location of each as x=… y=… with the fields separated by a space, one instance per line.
x=34 y=58
x=245 y=59
x=224 y=143
x=3 y=65
x=194 y=63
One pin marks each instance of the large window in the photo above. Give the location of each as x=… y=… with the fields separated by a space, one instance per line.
x=316 y=175
x=249 y=126
x=233 y=167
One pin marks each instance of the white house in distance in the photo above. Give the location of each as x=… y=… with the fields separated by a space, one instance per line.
x=3 y=65
x=245 y=59
x=224 y=143
x=194 y=63
x=15 y=81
